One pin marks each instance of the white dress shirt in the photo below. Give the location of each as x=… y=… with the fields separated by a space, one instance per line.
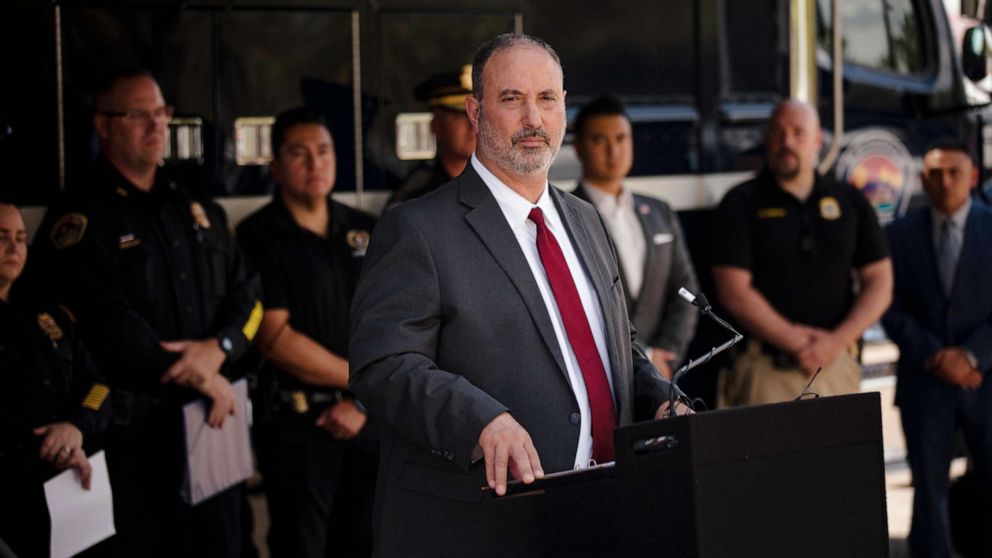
x=516 y=209
x=625 y=228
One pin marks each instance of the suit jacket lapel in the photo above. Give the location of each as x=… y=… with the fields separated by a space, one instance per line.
x=653 y=280
x=970 y=242
x=488 y=221
x=580 y=192
x=924 y=237
x=601 y=281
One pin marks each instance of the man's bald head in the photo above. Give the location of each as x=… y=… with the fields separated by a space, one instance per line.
x=793 y=140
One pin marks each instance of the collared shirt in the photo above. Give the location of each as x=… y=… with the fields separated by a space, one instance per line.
x=628 y=236
x=959 y=218
x=313 y=278
x=516 y=210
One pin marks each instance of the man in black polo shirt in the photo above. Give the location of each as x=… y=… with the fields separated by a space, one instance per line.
x=785 y=247
x=317 y=453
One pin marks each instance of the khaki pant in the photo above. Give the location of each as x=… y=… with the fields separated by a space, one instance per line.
x=753 y=379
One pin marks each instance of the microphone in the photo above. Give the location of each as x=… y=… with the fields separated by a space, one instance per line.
x=699 y=301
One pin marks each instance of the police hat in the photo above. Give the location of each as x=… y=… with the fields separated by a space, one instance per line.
x=447 y=90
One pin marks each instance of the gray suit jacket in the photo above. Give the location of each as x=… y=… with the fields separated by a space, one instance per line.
x=662 y=318
x=449 y=330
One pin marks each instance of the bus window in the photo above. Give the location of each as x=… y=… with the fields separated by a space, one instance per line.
x=878 y=34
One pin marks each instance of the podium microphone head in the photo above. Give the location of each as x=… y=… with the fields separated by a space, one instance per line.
x=687 y=296
x=701 y=300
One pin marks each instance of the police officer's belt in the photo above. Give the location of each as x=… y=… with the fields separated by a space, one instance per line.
x=129 y=406
x=301 y=401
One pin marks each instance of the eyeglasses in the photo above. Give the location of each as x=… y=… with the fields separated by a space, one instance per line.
x=141 y=116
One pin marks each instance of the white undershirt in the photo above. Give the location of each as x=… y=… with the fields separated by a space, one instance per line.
x=628 y=235
x=516 y=209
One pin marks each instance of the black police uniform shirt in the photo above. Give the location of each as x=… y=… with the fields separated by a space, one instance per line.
x=140 y=268
x=311 y=277
x=46 y=376
x=420 y=182
x=800 y=254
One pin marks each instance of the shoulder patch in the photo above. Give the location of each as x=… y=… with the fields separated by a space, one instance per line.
x=95 y=397
x=68 y=230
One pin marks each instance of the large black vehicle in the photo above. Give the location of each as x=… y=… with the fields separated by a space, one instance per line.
x=700 y=79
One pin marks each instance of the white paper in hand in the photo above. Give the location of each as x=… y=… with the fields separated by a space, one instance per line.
x=216 y=458
x=80 y=518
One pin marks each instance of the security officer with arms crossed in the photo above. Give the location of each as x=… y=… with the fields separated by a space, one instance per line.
x=166 y=303
x=53 y=407
x=316 y=449
x=786 y=245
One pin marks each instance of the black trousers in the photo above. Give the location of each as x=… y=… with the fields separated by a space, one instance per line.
x=319 y=490
x=24 y=523
x=145 y=461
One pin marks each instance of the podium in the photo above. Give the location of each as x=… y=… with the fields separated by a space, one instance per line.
x=803 y=478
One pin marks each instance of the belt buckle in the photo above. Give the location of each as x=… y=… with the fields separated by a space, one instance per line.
x=300 y=404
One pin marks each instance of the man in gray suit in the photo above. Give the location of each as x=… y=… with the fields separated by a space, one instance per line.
x=489 y=329
x=646 y=232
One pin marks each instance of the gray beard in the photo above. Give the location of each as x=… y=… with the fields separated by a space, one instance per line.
x=519 y=160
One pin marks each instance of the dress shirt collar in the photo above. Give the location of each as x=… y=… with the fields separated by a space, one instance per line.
x=515 y=207
x=959 y=218
x=606 y=202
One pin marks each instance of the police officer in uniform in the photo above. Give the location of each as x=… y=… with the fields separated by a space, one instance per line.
x=785 y=247
x=445 y=94
x=316 y=449
x=165 y=303
x=52 y=406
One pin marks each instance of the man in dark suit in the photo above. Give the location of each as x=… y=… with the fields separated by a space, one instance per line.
x=646 y=232
x=941 y=318
x=489 y=327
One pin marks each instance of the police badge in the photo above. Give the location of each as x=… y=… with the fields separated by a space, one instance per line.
x=358 y=241
x=829 y=208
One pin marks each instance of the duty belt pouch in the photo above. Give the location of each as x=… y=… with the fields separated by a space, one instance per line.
x=216 y=458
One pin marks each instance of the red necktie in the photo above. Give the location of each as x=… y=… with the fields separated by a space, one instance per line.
x=604 y=416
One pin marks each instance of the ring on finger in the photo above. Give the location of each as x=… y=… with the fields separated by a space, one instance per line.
x=66 y=450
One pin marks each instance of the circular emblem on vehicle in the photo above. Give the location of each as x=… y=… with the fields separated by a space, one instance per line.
x=878 y=163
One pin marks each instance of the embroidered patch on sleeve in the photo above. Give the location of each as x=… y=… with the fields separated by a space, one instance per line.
x=96 y=396
x=254 y=320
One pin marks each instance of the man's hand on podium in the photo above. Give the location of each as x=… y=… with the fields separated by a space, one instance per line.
x=680 y=409
x=506 y=444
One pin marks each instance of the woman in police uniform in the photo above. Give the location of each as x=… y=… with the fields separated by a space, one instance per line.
x=51 y=407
